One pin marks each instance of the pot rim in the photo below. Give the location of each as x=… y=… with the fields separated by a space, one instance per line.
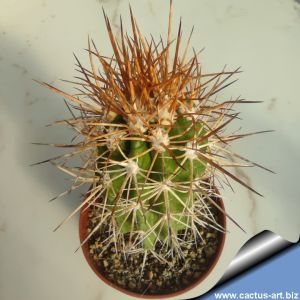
x=84 y=213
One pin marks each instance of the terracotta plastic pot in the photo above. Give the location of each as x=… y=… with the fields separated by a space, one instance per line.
x=83 y=233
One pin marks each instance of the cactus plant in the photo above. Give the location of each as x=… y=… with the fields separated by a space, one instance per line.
x=153 y=141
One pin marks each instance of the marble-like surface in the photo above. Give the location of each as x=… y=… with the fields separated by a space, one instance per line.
x=37 y=39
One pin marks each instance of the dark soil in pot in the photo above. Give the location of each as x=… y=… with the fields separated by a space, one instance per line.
x=153 y=277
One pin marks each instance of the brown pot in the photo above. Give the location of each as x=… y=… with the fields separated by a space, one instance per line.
x=83 y=233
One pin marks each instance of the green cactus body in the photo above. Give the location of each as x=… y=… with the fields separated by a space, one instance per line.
x=153 y=142
x=161 y=210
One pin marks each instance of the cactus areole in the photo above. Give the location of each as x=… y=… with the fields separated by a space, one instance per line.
x=152 y=138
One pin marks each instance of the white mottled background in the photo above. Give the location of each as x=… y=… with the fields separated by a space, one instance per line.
x=37 y=39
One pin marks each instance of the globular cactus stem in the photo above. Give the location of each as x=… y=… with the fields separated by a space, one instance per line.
x=153 y=141
x=149 y=179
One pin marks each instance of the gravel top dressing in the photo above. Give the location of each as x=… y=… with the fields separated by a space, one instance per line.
x=150 y=275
